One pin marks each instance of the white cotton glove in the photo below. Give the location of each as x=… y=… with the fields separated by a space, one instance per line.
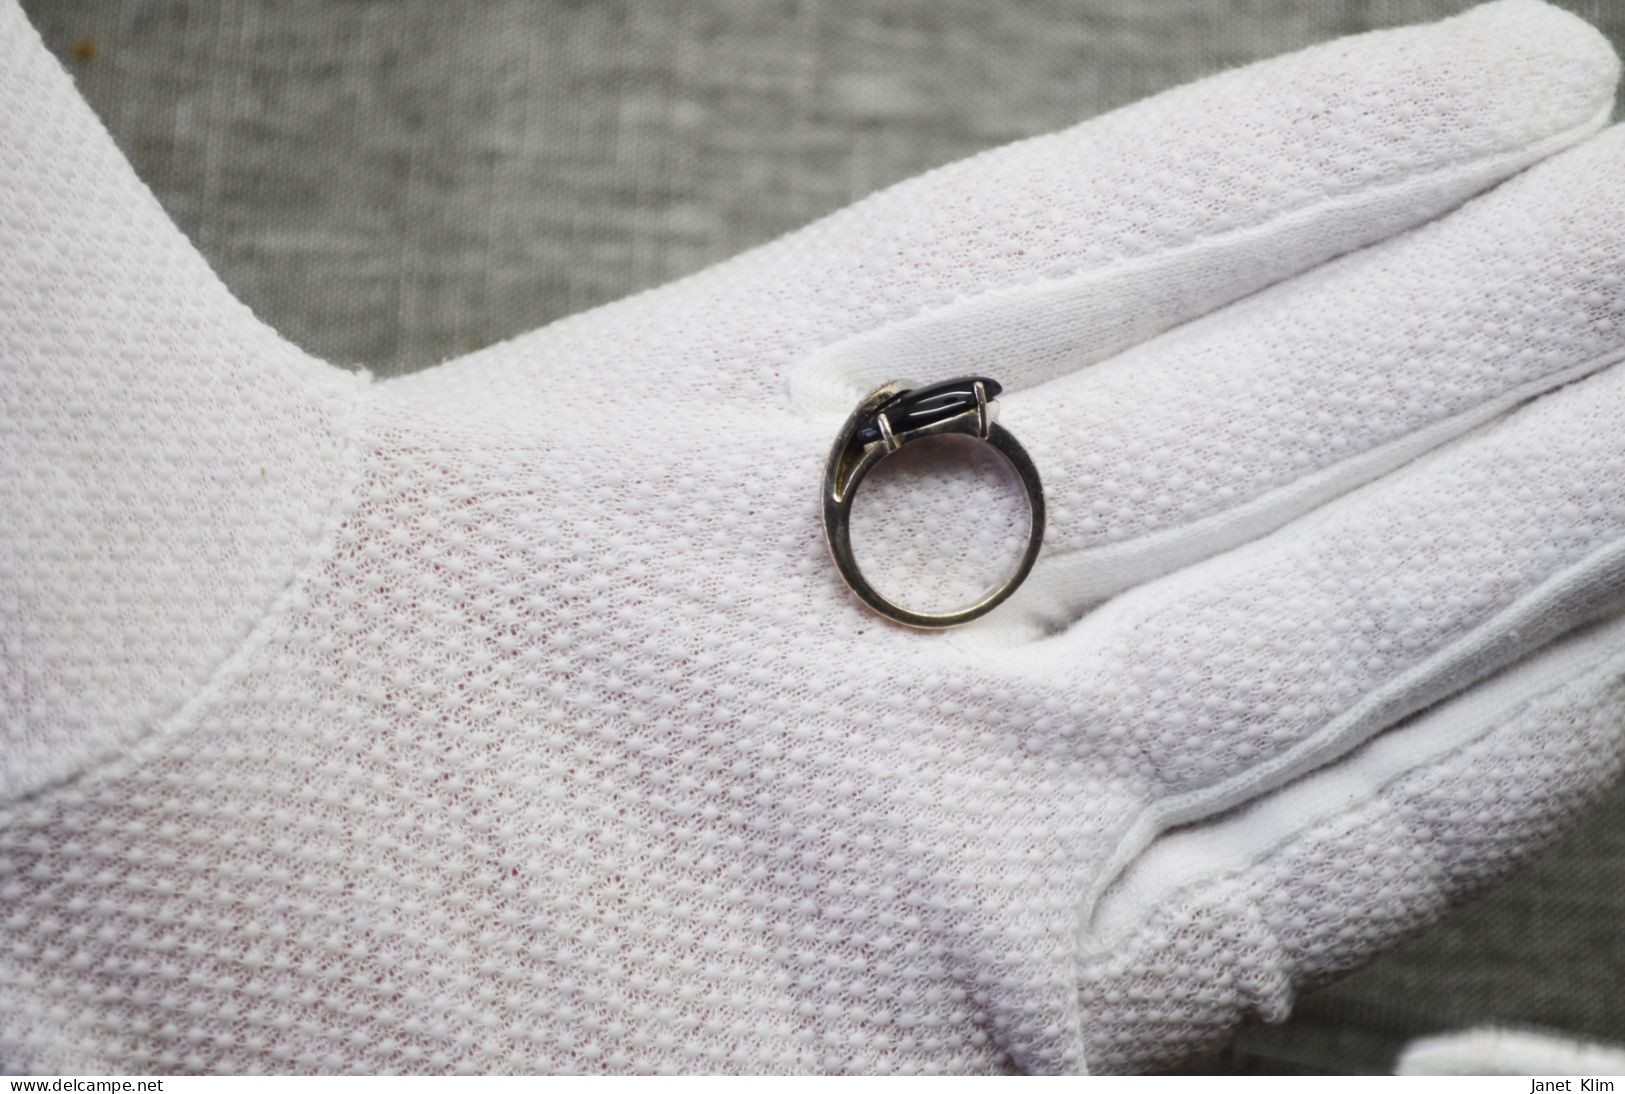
x=1491 y=1050
x=511 y=716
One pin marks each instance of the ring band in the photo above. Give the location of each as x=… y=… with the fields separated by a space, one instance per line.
x=899 y=413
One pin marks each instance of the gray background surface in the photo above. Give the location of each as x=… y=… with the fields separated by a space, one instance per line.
x=394 y=183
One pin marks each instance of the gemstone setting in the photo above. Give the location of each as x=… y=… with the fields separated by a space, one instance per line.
x=923 y=406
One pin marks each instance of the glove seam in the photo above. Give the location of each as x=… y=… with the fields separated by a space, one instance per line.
x=1158 y=817
x=816 y=384
x=314 y=553
x=1384 y=458
x=1603 y=661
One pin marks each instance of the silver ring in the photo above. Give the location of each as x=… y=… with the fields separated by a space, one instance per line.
x=899 y=413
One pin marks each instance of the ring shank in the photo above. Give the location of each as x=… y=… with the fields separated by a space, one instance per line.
x=841 y=487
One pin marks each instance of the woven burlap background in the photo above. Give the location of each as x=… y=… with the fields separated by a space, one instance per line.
x=391 y=183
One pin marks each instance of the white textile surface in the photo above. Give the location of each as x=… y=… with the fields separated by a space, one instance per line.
x=509 y=715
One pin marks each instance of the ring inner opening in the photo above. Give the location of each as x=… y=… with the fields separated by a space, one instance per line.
x=940 y=523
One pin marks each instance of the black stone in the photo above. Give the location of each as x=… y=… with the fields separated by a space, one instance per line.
x=923 y=406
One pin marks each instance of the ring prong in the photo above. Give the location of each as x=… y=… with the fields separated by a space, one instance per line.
x=983 y=421
x=886 y=434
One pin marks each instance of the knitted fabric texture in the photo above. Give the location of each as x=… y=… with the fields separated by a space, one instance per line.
x=510 y=716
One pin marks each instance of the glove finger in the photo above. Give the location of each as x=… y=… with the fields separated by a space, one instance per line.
x=1056 y=252
x=1227 y=679
x=1226 y=429
x=1224 y=922
x=1494 y=1050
